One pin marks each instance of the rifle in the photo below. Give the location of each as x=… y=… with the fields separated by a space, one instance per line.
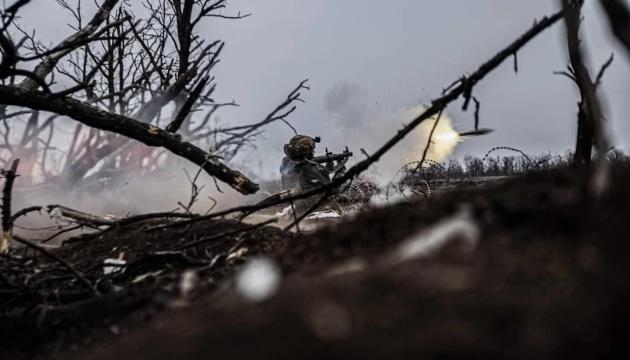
x=330 y=157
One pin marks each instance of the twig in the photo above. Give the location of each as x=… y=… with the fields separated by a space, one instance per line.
x=619 y=17
x=7 y=220
x=429 y=141
x=9 y=178
x=602 y=70
x=24 y=212
x=225 y=234
x=598 y=174
x=61 y=261
x=456 y=90
x=63 y=231
x=477 y=110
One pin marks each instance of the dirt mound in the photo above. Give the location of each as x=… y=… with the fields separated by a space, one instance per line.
x=548 y=279
x=547 y=276
x=51 y=309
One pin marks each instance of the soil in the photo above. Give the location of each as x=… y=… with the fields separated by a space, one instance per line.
x=549 y=278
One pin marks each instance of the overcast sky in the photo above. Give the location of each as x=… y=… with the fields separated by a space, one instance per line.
x=397 y=54
x=404 y=52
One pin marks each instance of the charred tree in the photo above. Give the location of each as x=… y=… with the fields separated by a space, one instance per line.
x=7 y=221
x=590 y=118
x=132 y=79
x=619 y=17
x=584 y=139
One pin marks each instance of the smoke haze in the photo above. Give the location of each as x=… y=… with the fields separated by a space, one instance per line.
x=361 y=124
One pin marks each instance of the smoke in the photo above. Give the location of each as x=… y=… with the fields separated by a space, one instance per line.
x=362 y=124
x=122 y=196
x=359 y=124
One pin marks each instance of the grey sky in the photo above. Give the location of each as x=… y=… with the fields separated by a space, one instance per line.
x=402 y=53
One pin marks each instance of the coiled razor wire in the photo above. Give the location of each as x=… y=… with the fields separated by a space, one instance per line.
x=497 y=148
x=535 y=165
x=425 y=191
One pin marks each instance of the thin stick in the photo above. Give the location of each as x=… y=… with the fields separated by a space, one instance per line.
x=224 y=234
x=61 y=261
x=462 y=87
x=9 y=178
x=429 y=141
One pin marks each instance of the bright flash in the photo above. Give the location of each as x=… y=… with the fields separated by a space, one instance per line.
x=448 y=137
x=443 y=137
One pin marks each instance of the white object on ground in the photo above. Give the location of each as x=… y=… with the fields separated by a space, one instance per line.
x=394 y=197
x=57 y=216
x=187 y=283
x=287 y=211
x=112 y=266
x=323 y=215
x=429 y=241
x=143 y=277
x=258 y=280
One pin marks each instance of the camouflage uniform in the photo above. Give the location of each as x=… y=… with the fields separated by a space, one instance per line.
x=300 y=172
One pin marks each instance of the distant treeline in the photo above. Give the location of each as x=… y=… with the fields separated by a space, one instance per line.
x=489 y=165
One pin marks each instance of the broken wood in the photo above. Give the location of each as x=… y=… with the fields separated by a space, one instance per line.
x=619 y=17
x=463 y=87
x=7 y=222
x=59 y=260
x=590 y=120
x=83 y=218
x=134 y=129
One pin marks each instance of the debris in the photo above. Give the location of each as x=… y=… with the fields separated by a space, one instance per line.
x=327 y=214
x=5 y=242
x=59 y=213
x=143 y=277
x=460 y=227
x=287 y=211
x=113 y=266
x=188 y=283
x=241 y=252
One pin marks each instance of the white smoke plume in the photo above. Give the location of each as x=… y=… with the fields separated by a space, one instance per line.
x=362 y=125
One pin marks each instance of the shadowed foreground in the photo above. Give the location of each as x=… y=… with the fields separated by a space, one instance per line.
x=549 y=277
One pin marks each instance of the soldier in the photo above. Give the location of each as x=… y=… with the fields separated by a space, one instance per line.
x=299 y=171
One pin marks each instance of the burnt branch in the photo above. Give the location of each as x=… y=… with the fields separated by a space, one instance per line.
x=619 y=17
x=429 y=142
x=602 y=71
x=119 y=124
x=225 y=234
x=48 y=63
x=590 y=107
x=452 y=93
x=187 y=107
x=9 y=13
x=25 y=212
x=9 y=178
x=240 y=135
x=61 y=261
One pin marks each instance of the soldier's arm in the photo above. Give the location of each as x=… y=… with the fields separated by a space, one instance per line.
x=314 y=176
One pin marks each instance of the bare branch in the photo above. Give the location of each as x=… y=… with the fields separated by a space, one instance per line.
x=72 y=42
x=619 y=18
x=598 y=176
x=145 y=133
x=602 y=70
x=187 y=107
x=455 y=91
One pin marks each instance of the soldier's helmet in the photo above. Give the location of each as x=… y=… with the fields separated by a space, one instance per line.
x=301 y=147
